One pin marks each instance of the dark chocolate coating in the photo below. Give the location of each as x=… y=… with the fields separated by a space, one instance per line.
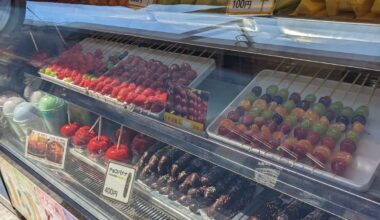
x=193 y=180
x=180 y=164
x=297 y=210
x=146 y=156
x=270 y=210
x=317 y=214
x=212 y=176
x=167 y=159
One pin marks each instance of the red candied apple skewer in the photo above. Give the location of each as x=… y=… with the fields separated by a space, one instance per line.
x=119 y=152
x=68 y=130
x=99 y=144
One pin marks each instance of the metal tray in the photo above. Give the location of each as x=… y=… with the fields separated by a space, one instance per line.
x=168 y=204
x=366 y=159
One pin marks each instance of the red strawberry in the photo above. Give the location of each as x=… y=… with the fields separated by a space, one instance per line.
x=130 y=97
x=148 y=92
x=115 y=91
x=107 y=89
x=122 y=94
x=99 y=86
x=140 y=100
x=115 y=82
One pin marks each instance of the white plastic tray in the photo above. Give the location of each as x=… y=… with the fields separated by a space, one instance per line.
x=203 y=67
x=361 y=172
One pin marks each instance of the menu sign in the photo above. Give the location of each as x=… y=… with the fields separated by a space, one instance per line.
x=46 y=148
x=264 y=7
x=119 y=181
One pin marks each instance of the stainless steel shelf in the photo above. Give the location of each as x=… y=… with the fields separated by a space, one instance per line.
x=324 y=195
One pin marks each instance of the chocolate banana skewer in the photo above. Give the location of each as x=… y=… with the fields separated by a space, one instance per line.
x=167 y=159
x=151 y=166
x=180 y=163
x=146 y=156
x=212 y=176
x=194 y=165
x=226 y=198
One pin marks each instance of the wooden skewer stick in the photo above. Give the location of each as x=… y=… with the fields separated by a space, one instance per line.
x=94 y=125
x=100 y=127
x=360 y=89
x=120 y=136
x=245 y=138
x=315 y=160
x=294 y=79
x=68 y=115
x=323 y=82
x=286 y=75
x=352 y=84
x=265 y=78
x=340 y=82
x=311 y=80
x=291 y=153
x=374 y=87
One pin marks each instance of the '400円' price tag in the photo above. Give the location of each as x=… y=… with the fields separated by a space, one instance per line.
x=119 y=180
x=139 y=3
x=261 y=7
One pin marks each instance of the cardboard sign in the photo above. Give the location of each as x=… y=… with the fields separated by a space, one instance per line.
x=118 y=184
x=46 y=148
x=187 y=108
x=29 y=199
x=254 y=7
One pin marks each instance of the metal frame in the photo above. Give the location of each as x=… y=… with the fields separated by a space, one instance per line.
x=339 y=201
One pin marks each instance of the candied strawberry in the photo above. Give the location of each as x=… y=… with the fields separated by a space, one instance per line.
x=132 y=86
x=140 y=100
x=115 y=82
x=107 y=89
x=86 y=83
x=148 y=92
x=99 y=86
x=139 y=89
x=115 y=91
x=60 y=75
x=108 y=80
x=122 y=94
x=93 y=84
x=130 y=97
x=163 y=97
x=78 y=80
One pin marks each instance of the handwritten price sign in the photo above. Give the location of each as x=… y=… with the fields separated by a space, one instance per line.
x=250 y=6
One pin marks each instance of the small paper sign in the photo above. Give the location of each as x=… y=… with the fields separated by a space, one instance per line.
x=119 y=181
x=187 y=108
x=46 y=148
x=139 y=3
x=251 y=7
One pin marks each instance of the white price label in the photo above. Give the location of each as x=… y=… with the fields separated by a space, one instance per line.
x=266 y=175
x=118 y=184
x=140 y=3
x=250 y=6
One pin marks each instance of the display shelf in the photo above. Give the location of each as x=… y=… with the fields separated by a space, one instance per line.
x=82 y=197
x=339 y=43
x=319 y=193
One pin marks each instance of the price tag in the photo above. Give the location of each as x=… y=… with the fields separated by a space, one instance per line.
x=250 y=7
x=184 y=123
x=266 y=175
x=119 y=181
x=139 y=3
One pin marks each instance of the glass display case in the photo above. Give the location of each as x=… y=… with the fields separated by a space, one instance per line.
x=216 y=112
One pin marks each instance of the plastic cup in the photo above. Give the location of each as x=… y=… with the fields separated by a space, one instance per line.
x=54 y=118
x=26 y=118
x=53 y=112
x=7 y=111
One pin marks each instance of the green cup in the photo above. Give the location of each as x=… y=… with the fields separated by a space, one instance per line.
x=54 y=118
x=53 y=112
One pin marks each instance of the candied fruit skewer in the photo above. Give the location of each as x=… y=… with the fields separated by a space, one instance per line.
x=352 y=85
